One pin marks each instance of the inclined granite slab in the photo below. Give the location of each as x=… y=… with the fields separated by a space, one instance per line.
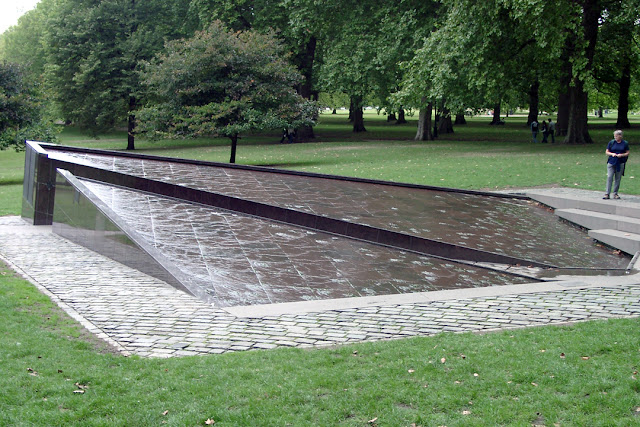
x=242 y=260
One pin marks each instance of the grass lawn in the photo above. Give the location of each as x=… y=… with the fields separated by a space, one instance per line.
x=476 y=156
x=53 y=373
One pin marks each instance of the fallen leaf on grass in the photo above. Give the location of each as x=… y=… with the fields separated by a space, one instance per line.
x=165 y=412
x=443 y=360
x=32 y=372
x=585 y=357
x=209 y=422
x=475 y=374
x=78 y=391
x=466 y=412
x=373 y=420
x=411 y=371
x=562 y=356
x=534 y=384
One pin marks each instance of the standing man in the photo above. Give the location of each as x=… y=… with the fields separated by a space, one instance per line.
x=534 y=131
x=617 y=155
x=545 y=131
x=552 y=131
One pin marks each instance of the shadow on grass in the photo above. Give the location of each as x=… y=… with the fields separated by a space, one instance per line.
x=293 y=164
x=11 y=181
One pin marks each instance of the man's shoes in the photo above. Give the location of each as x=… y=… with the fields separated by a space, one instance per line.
x=606 y=197
x=615 y=196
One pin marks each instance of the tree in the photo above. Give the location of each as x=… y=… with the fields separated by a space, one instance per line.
x=617 y=57
x=222 y=83
x=24 y=43
x=94 y=48
x=301 y=25
x=20 y=109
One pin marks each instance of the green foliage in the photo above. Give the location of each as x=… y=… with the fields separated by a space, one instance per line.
x=222 y=83
x=21 y=111
x=93 y=53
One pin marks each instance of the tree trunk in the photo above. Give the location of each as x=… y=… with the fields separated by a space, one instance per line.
x=577 y=131
x=623 y=97
x=564 y=98
x=460 y=119
x=305 y=89
x=131 y=124
x=534 y=102
x=445 y=125
x=391 y=117
x=401 y=119
x=358 y=114
x=599 y=112
x=424 y=124
x=496 y=114
x=234 y=146
x=351 y=110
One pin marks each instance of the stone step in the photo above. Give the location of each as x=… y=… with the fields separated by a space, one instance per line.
x=597 y=220
x=564 y=201
x=626 y=242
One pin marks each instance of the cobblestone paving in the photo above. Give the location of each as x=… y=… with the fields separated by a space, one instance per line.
x=144 y=316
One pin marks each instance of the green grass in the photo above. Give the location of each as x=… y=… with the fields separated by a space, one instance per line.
x=476 y=156
x=577 y=375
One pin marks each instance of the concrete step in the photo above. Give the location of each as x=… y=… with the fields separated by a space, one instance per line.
x=597 y=221
x=564 y=201
x=626 y=242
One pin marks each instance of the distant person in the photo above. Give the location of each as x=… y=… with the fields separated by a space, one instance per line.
x=287 y=135
x=545 y=131
x=534 y=131
x=617 y=155
x=552 y=131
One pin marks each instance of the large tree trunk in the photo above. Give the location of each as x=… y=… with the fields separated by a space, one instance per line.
x=577 y=131
x=445 y=125
x=304 y=61
x=401 y=119
x=358 y=114
x=234 y=146
x=424 y=124
x=564 y=97
x=534 y=102
x=460 y=119
x=131 y=124
x=623 y=97
x=351 y=110
x=496 y=114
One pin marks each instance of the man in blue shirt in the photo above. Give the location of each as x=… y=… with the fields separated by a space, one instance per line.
x=617 y=155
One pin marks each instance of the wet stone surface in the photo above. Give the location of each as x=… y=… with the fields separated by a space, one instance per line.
x=242 y=260
x=508 y=226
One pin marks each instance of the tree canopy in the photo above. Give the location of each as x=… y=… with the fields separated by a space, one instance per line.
x=562 y=57
x=20 y=109
x=222 y=83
